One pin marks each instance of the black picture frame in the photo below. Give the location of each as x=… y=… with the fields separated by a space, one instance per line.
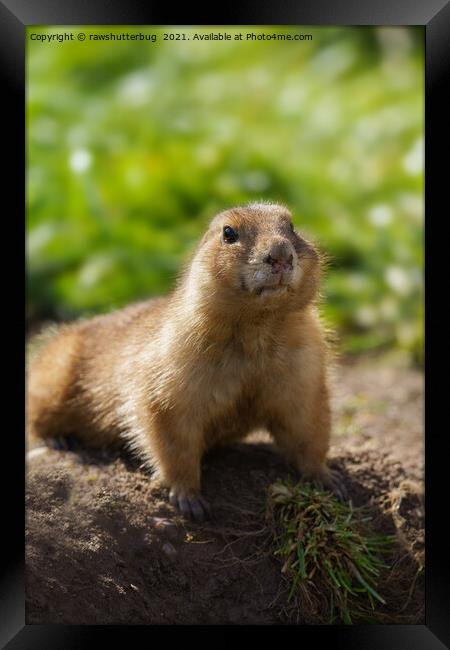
x=434 y=16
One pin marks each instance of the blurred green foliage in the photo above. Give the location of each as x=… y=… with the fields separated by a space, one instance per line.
x=132 y=146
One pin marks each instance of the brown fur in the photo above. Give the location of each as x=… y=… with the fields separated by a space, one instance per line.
x=216 y=359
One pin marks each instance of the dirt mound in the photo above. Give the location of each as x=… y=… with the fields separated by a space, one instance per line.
x=104 y=546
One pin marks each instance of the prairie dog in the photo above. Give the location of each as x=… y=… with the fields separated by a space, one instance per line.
x=237 y=346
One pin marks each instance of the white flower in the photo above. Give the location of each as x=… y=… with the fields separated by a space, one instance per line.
x=136 y=88
x=39 y=237
x=94 y=270
x=380 y=215
x=413 y=161
x=366 y=315
x=80 y=161
x=398 y=279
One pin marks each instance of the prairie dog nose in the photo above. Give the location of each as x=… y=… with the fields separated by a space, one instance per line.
x=280 y=256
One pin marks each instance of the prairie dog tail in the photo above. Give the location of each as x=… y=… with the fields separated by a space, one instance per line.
x=51 y=365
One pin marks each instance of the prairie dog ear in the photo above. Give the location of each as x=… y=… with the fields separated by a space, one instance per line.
x=211 y=230
x=208 y=234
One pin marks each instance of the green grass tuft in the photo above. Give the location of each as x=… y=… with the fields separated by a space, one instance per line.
x=331 y=558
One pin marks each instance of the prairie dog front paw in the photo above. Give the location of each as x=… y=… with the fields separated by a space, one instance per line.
x=194 y=506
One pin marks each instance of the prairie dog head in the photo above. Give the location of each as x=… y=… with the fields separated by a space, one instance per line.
x=254 y=254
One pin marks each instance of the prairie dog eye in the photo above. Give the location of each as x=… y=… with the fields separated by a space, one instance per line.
x=229 y=235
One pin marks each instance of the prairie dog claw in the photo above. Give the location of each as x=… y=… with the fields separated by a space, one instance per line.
x=195 y=507
x=332 y=480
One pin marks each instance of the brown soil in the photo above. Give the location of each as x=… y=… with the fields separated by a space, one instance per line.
x=103 y=546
